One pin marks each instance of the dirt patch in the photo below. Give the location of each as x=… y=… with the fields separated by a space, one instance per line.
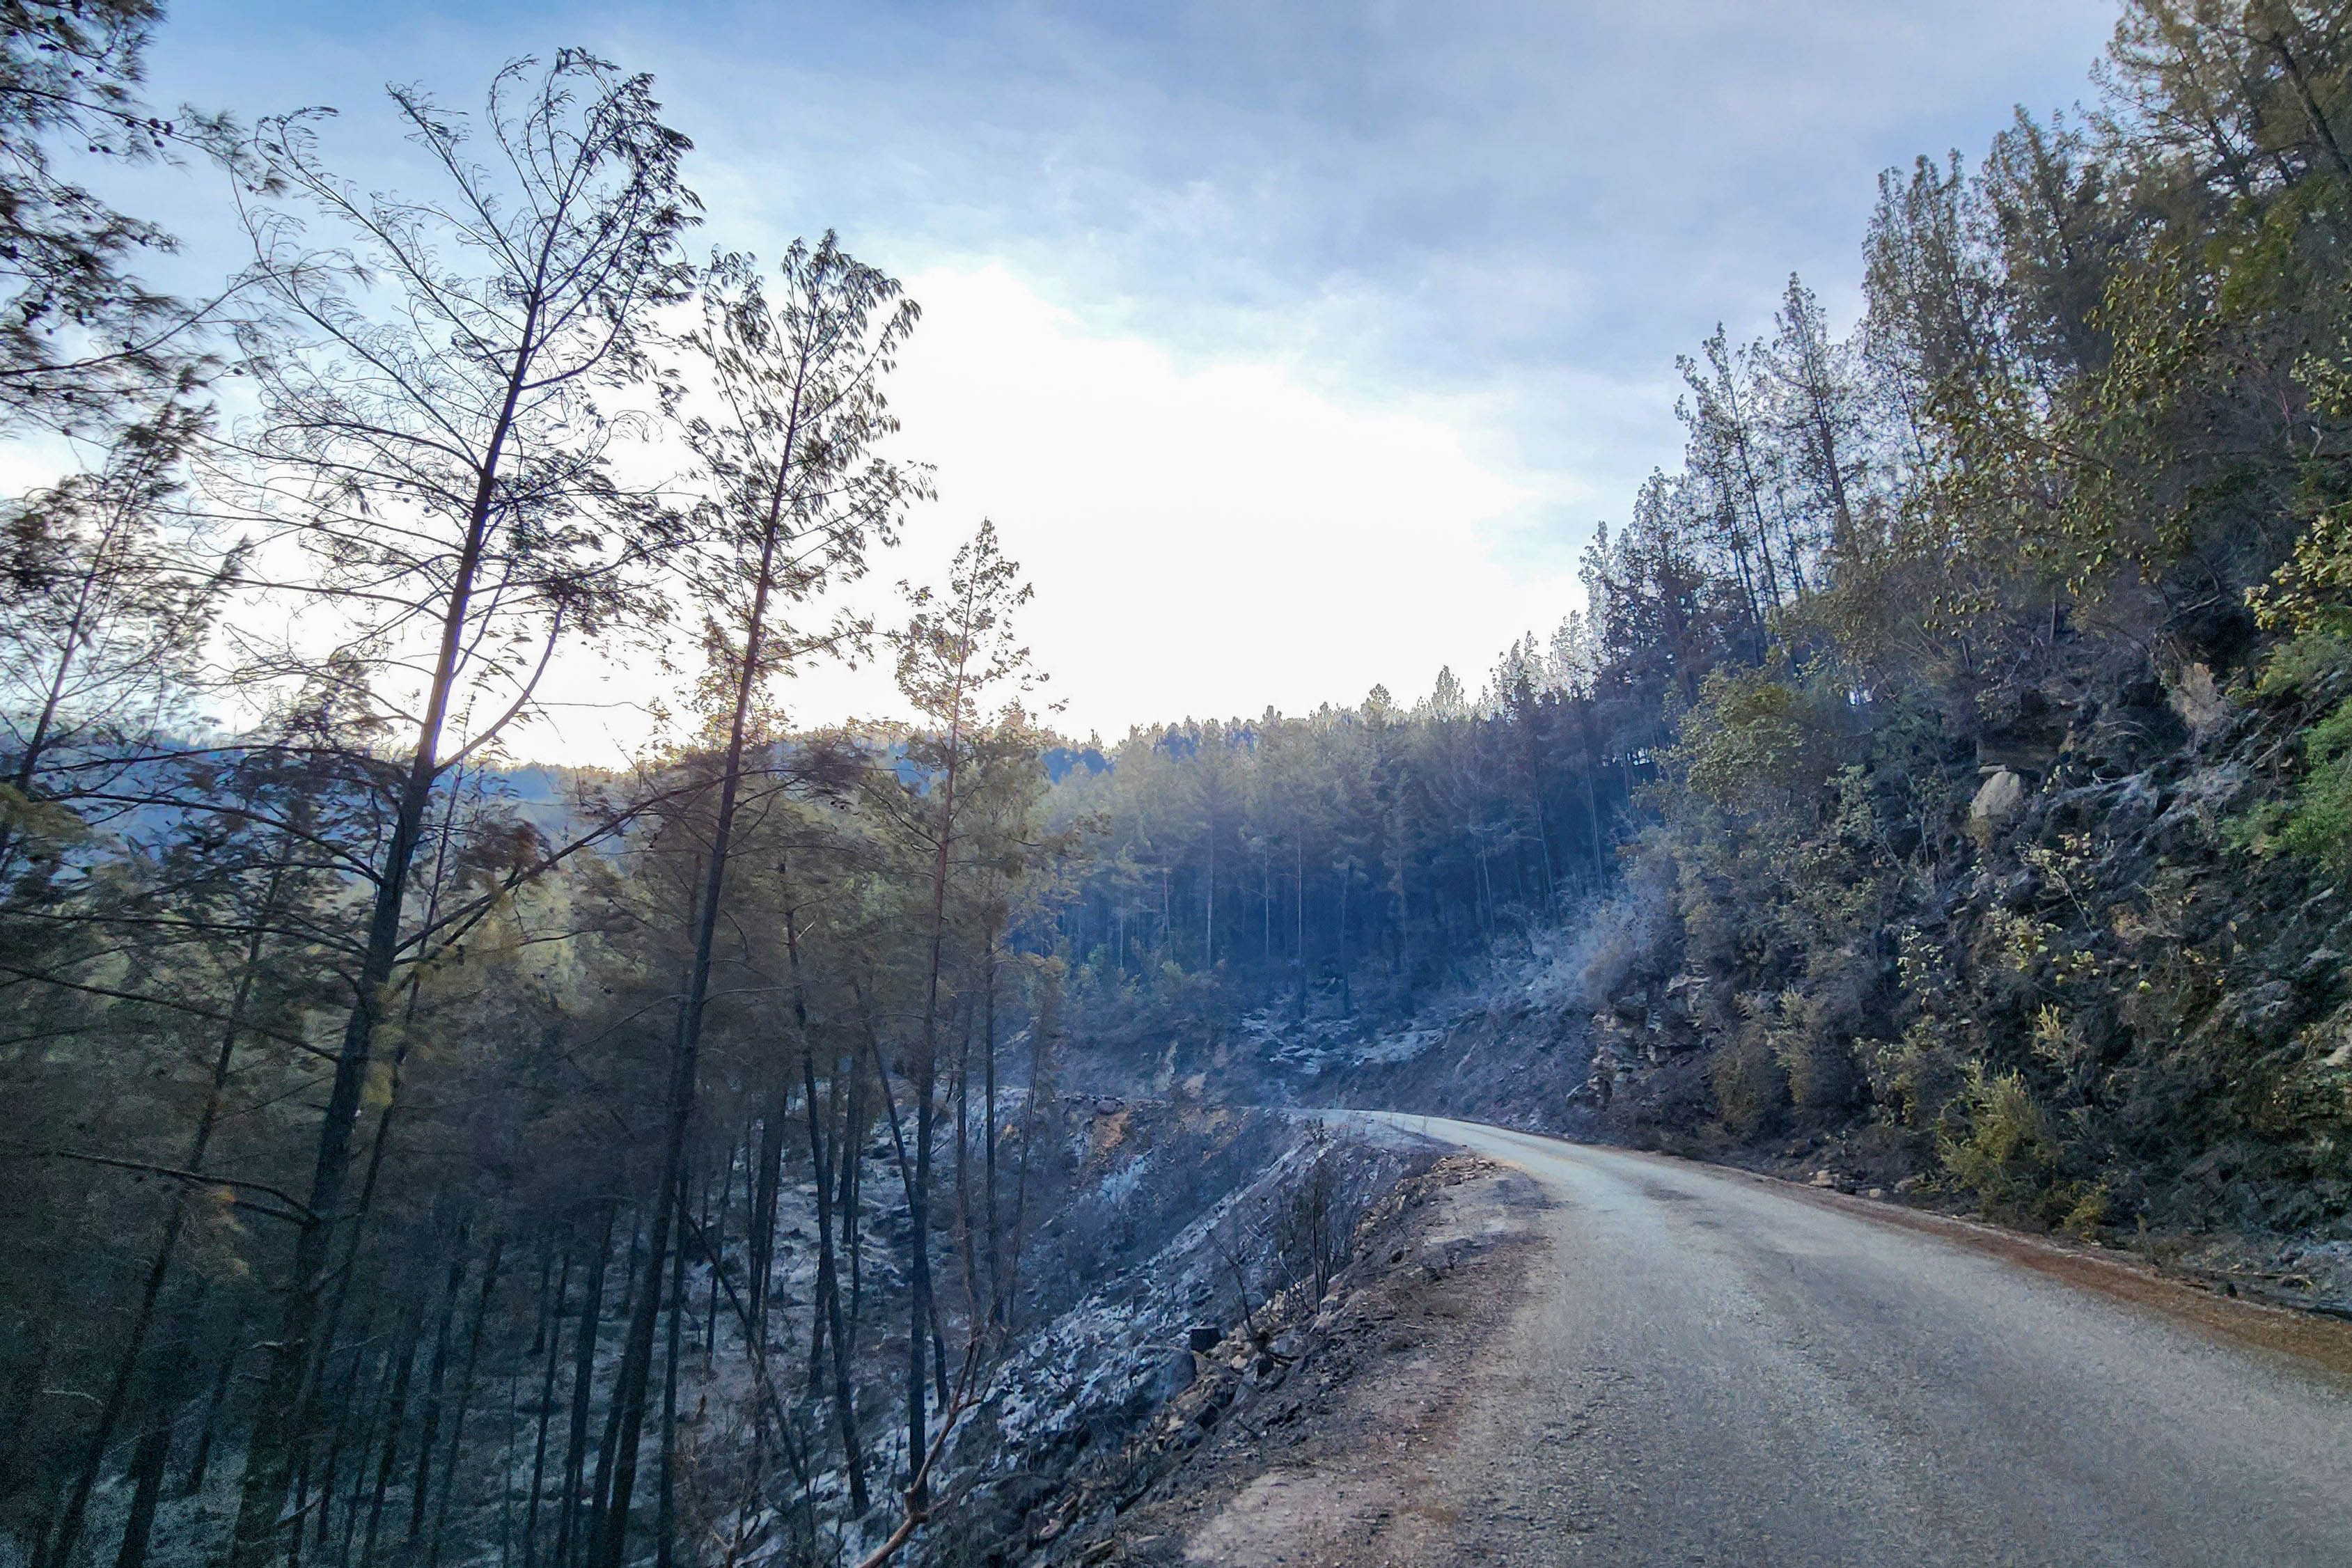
x=1108 y=1132
x=1313 y=1443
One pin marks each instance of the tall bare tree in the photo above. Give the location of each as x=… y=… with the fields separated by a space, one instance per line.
x=430 y=433
x=796 y=495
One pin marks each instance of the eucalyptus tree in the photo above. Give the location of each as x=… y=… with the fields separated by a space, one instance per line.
x=431 y=446
x=796 y=494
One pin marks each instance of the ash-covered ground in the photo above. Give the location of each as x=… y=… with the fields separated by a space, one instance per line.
x=1151 y=1224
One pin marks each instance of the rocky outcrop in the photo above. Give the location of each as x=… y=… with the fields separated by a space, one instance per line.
x=2099 y=995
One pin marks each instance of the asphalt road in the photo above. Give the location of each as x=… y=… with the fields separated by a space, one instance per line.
x=1714 y=1369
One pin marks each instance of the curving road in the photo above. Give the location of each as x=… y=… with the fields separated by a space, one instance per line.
x=1717 y=1369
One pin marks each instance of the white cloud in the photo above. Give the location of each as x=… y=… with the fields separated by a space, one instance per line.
x=1203 y=539
x=1212 y=539
x=1372 y=313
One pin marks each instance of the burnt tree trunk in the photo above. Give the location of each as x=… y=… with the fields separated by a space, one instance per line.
x=550 y=1340
x=609 y=1453
x=665 y=1518
x=583 y=1387
x=394 y=1416
x=465 y=1398
x=436 y=1381
x=201 y=1460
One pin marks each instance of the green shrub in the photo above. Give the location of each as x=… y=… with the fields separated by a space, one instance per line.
x=2008 y=1154
x=1750 y=1090
x=2318 y=826
x=2013 y=1159
x=1814 y=1056
x=1752 y=729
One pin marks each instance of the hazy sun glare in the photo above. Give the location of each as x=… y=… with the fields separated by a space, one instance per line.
x=1203 y=539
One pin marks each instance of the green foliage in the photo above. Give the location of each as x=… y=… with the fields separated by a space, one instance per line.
x=1751 y=730
x=1814 y=1052
x=2009 y=1154
x=2318 y=825
x=1751 y=1091
x=2309 y=597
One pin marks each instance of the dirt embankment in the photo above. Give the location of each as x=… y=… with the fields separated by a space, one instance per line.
x=1310 y=1435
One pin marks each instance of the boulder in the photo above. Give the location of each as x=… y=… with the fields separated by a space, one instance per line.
x=1998 y=798
x=2198 y=698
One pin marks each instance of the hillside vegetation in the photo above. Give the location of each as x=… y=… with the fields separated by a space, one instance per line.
x=1963 y=729
x=814 y=1144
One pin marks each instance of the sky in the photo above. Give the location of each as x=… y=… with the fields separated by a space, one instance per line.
x=1293 y=347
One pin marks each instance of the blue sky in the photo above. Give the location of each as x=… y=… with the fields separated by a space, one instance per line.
x=1293 y=347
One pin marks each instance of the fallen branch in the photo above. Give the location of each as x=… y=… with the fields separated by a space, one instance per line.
x=914 y=1516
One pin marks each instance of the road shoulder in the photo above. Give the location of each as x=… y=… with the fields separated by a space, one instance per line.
x=1320 y=1446
x=2207 y=1303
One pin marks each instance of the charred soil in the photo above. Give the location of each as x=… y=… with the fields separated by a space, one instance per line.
x=1311 y=1435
